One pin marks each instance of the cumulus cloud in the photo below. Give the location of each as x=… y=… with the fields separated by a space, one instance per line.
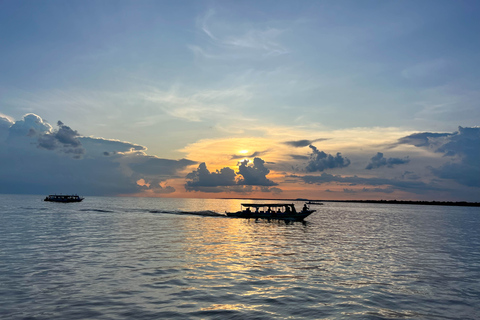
x=202 y=177
x=463 y=148
x=64 y=139
x=302 y=143
x=34 y=144
x=319 y=161
x=5 y=124
x=249 y=179
x=254 y=175
x=29 y=126
x=378 y=161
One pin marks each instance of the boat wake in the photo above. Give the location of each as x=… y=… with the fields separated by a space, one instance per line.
x=205 y=213
x=97 y=210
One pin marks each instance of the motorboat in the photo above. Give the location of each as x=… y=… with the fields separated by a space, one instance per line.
x=63 y=198
x=276 y=211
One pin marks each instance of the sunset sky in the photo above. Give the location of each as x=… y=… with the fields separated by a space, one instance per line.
x=265 y=99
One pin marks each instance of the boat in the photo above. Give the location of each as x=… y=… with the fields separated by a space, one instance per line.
x=317 y=203
x=276 y=211
x=63 y=198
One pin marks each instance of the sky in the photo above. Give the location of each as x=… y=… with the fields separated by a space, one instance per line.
x=276 y=99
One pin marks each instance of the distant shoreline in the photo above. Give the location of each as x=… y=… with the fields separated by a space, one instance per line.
x=415 y=202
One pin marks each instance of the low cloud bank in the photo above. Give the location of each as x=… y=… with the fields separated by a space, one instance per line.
x=38 y=159
x=462 y=147
x=405 y=185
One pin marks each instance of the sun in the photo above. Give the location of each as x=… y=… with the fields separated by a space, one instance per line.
x=243 y=151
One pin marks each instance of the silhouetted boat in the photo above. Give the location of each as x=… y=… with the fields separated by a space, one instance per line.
x=271 y=211
x=63 y=198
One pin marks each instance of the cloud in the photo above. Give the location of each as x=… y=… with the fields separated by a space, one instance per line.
x=371 y=190
x=409 y=186
x=155 y=185
x=463 y=148
x=424 y=139
x=302 y=143
x=227 y=41
x=319 y=161
x=254 y=175
x=202 y=177
x=299 y=157
x=5 y=124
x=108 y=147
x=425 y=69
x=378 y=161
x=64 y=139
x=154 y=166
x=30 y=125
x=253 y=178
x=409 y=175
x=33 y=161
x=253 y=155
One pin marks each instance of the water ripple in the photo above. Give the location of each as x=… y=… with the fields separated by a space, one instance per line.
x=136 y=259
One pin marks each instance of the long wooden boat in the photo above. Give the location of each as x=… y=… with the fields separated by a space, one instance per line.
x=276 y=211
x=63 y=198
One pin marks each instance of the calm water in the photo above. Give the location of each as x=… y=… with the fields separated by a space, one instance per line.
x=130 y=258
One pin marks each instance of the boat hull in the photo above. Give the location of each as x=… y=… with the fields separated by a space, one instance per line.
x=58 y=200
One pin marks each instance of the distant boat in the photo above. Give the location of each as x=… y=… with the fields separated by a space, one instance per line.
x=63 y=198
x=317 y=203
x=271 y=211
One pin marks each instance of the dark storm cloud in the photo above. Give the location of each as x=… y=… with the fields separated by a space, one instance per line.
x=253 y=178
x=463 y=148
x=378 y=161
x=30 y=166
x=319 y=161
x=302 y=143
x=64 y=139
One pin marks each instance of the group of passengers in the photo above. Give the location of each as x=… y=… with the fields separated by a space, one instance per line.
x=279 y=211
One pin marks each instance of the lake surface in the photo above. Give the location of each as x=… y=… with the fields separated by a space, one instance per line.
x=140 y=258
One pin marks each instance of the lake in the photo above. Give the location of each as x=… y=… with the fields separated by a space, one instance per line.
x=143 y=258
